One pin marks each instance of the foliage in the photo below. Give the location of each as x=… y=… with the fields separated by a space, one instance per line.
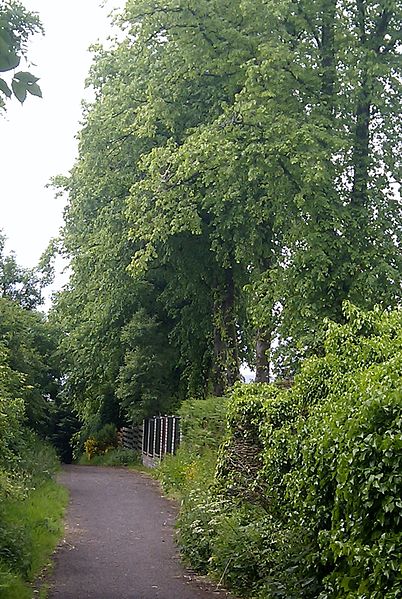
x=30 y=520
x=202 y=425
x=243 y=189
x=64 y=425
x=103 y=440
x=119 y=456
x=28 y=343
x=29 y=532
x=22 y=285
x=31 y=504
x=16 y=26
x=315 y=511
x=352 y=441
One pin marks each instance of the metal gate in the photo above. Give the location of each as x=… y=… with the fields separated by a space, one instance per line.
x=161 y=436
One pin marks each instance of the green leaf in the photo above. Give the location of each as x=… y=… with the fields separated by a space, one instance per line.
x=6 y=41
x=5 y=89
x=28 y=82
x=20 y=90
x=26 y=77
x=9 y=61
x=35 y=90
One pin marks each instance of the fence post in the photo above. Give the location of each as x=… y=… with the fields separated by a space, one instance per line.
x=172 y=449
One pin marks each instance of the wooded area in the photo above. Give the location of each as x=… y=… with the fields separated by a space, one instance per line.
x=234 y=200
x=236 y=182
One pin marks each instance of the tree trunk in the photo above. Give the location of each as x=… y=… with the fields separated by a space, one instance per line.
x=263 y=349
x=226 y=370
x=327 y=51
x=361 y=148
x=218 y=378
x=361 y=135
x=361 y=153
x=230 y=328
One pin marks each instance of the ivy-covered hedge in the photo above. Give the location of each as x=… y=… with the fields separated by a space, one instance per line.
x=306 y=499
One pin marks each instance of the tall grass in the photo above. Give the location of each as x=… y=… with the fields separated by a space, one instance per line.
x=30 y=527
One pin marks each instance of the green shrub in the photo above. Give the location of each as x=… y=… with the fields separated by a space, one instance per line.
x=203 y=425
x=306 y=501
x=119 y=456
x=31 y=520
x=29 y=532
x=174 y=472
x=101 y=441
x=122 y=457
x=348 y=487
x=106 y=437
x=197 y=524
x=15 y=546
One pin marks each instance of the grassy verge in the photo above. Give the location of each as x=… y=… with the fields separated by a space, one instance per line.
x=30 y=530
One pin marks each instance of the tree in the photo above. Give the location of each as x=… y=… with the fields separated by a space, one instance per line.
x=23 y=285
x=169 y=302
x=344 y=219
x=231 y=200
x=29 y=343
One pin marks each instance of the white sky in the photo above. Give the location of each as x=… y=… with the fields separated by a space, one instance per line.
x=37 y=140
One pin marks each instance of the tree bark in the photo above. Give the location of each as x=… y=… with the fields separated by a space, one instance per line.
x=226 y=370
x=362 y=129
x=218 y=378
x=371 y=42
x=327 y=51
x=263 y=349
x=230 y=327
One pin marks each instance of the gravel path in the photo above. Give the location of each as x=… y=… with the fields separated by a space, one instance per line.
x=119 y=541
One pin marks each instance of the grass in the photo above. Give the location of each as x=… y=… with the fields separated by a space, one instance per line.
x=29 y=532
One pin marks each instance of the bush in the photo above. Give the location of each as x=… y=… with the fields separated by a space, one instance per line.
x=348 y=486
x=30 y=520
x=203 y=425
x=197 y=526
x=119 y=456
x=306 y=501
x=102 y=441
x=122 y=457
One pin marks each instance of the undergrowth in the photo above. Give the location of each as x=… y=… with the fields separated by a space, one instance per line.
x=31 y=521
x=203 y=423
x=119 y=456
x=303 y=498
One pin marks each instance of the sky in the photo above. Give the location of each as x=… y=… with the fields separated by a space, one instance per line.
x=37 y=140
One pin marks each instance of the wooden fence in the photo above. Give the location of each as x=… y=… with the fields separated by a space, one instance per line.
x=131 y=438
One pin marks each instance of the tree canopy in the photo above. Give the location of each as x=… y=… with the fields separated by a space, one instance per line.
x=236 y=182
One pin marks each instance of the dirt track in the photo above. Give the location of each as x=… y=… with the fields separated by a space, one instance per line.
x=119 y=541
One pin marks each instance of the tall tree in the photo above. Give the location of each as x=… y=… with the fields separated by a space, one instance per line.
x=234 y=185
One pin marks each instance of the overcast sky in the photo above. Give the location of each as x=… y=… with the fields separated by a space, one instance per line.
x=38 y=138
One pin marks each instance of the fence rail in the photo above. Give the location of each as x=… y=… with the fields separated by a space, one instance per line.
x=131 y=438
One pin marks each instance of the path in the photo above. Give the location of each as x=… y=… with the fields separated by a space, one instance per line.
x=119 y=541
